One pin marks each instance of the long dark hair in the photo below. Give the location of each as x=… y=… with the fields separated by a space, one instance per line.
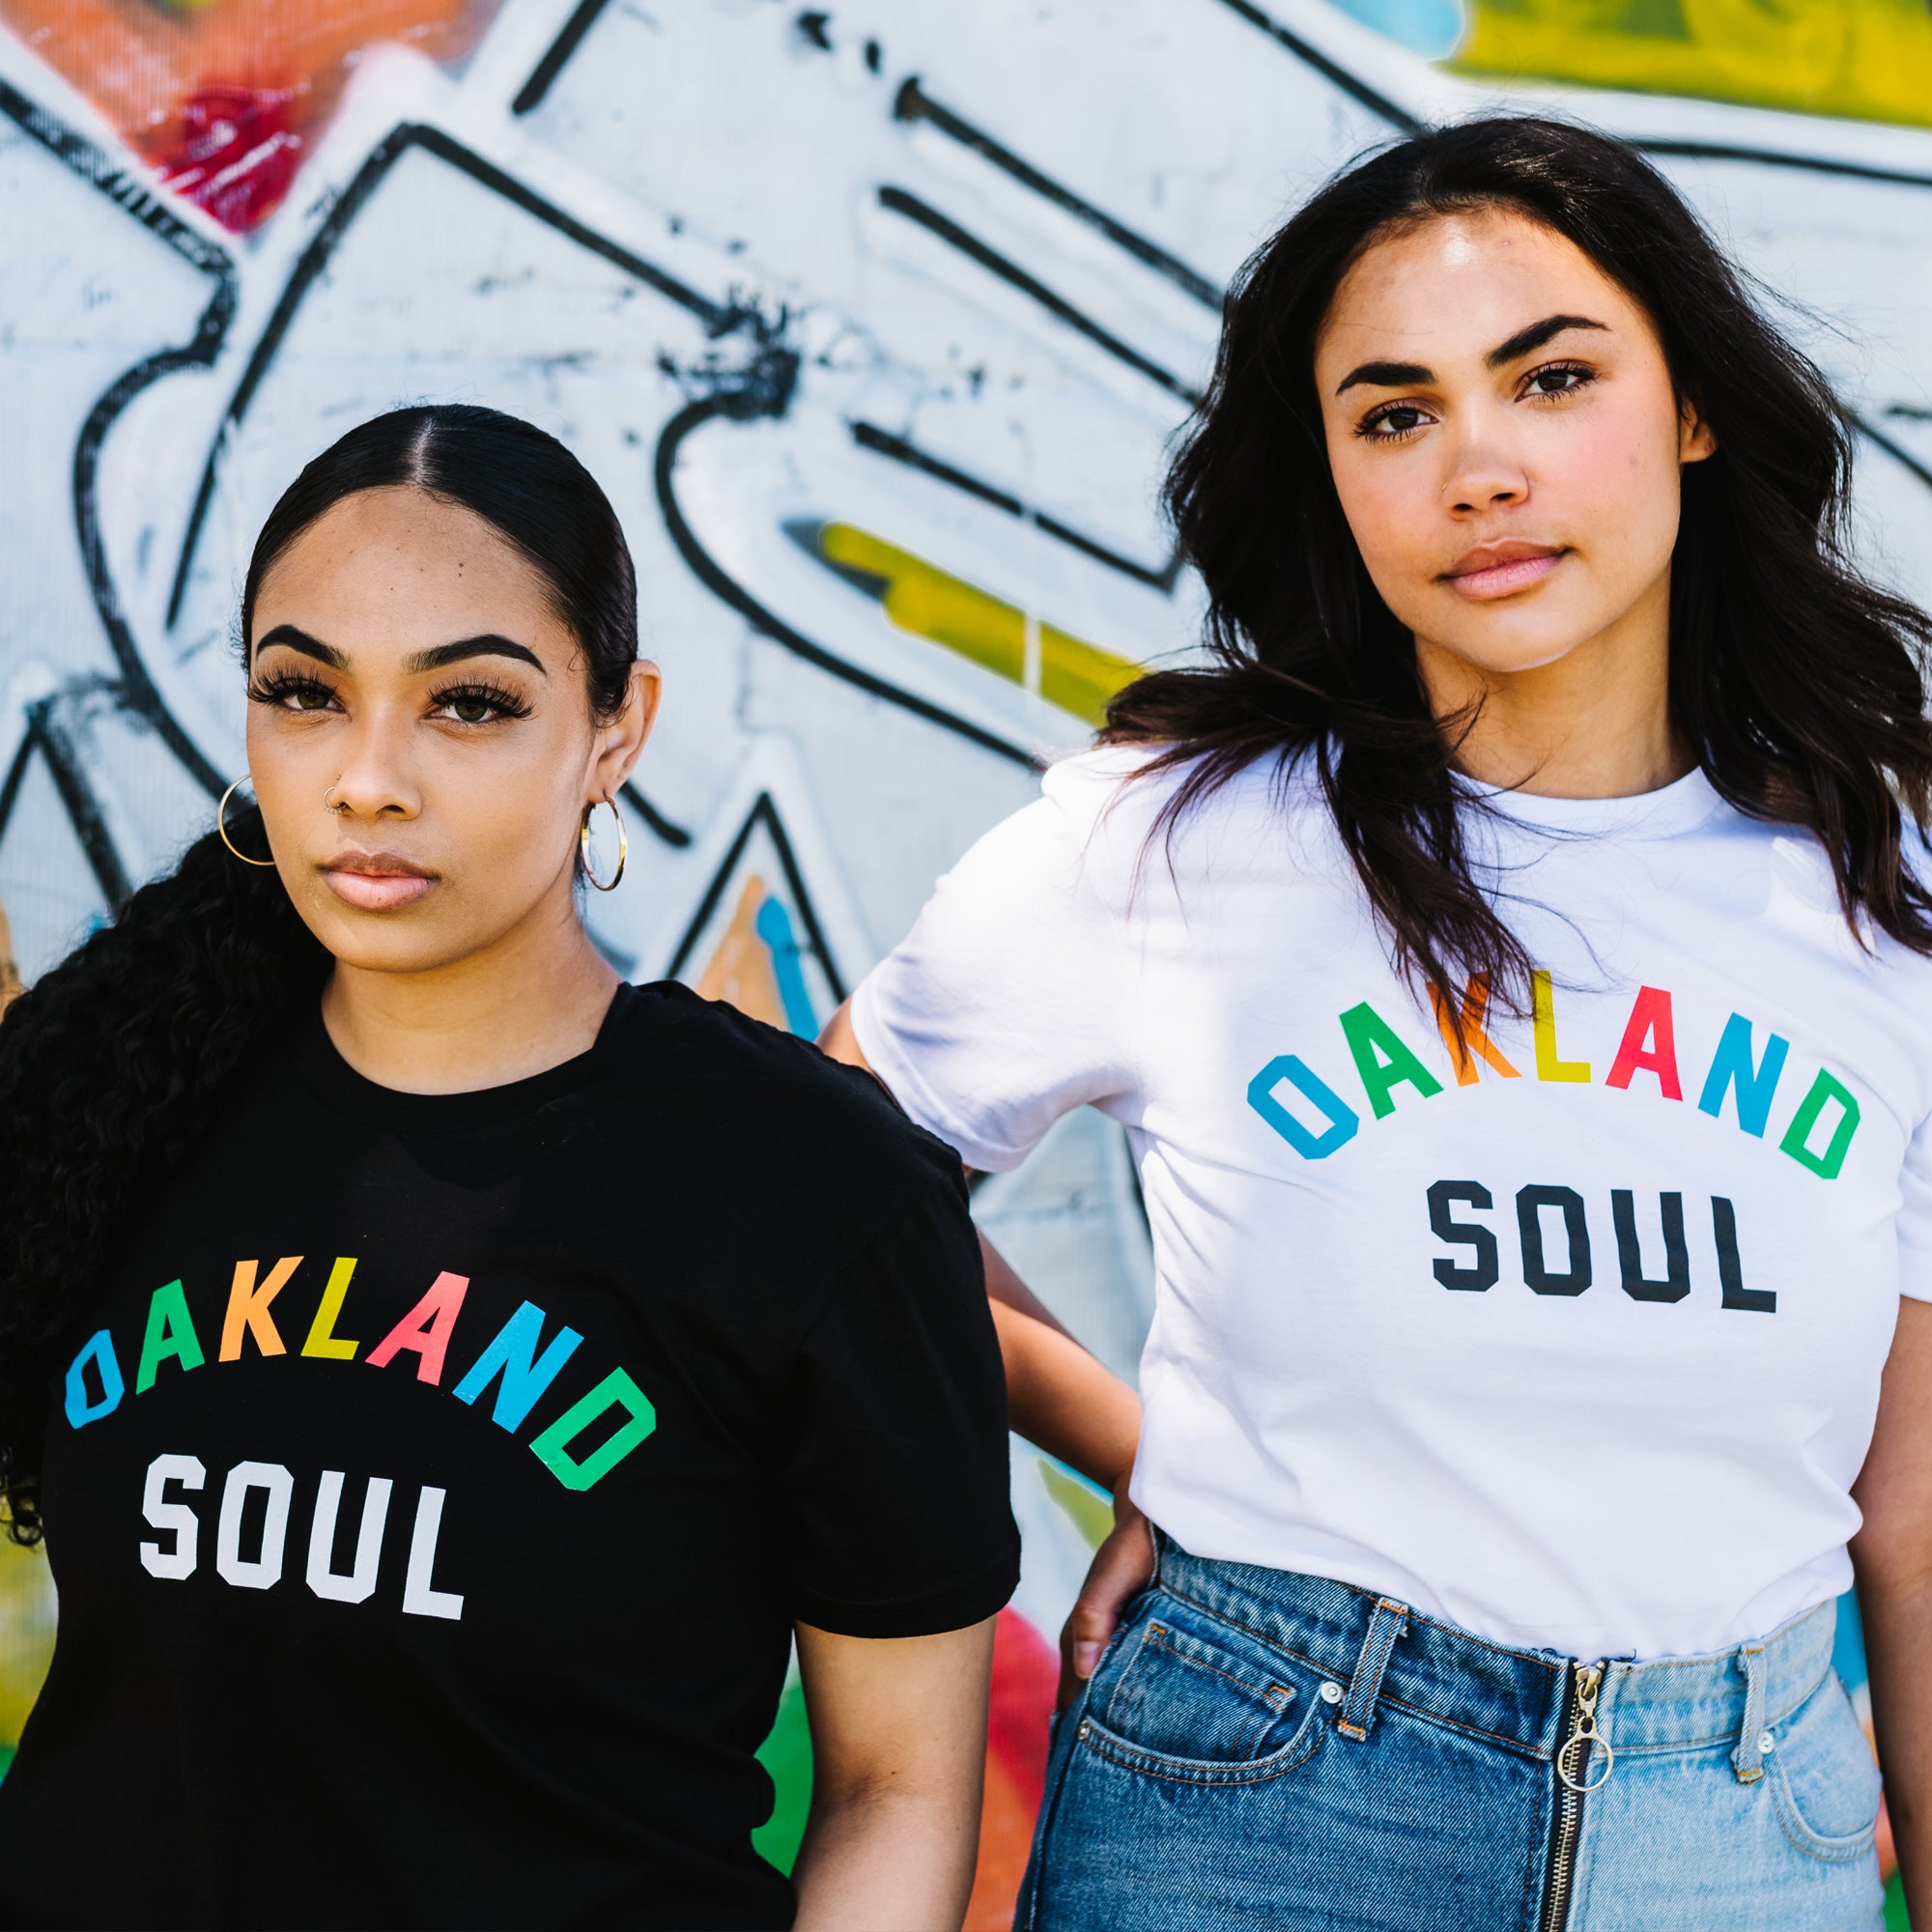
x=111 y=1063
x=1798 y=683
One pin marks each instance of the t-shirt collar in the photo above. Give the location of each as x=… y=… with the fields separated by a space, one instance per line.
x=1681 y=806
x=338 y=1083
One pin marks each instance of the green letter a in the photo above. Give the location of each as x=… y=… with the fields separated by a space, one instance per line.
x=170 y=1334
x=1382 y=1060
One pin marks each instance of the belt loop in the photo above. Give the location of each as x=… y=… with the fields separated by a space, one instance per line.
x=1748 y=1760
x=1389 y=1622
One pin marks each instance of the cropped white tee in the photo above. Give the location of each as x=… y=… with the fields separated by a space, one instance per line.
x=1575 y=1340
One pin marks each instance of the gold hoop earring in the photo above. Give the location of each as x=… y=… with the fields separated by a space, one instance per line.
x=221 y=824
x=583 y=844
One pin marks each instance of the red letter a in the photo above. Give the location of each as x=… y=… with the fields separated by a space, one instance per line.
x=425 y=1329
x=1649 y=1021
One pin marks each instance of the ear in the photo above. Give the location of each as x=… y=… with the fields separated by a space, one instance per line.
x=622 y=741
x=1695 y=438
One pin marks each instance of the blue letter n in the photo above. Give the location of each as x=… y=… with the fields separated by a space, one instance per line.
x=513 y=1351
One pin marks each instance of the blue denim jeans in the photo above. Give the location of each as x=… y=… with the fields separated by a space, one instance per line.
x=1260 y=1748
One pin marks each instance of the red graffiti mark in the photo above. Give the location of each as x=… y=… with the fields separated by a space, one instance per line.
x=225 y=97
x=236 y=153
x=1026 y=1673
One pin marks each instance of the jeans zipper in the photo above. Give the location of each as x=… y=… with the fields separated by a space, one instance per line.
x=1571 y=1772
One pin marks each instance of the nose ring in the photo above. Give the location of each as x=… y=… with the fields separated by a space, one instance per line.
x=325 y=805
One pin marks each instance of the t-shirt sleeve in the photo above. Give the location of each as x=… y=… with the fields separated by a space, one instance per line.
x=1005 y=1007
x=894 y=1499
x=1915 y=1217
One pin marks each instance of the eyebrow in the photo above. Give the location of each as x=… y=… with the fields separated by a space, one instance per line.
x=438 y=658
x=1527 y=340
x=291 y=638
x=488 y=645
x=1395 y=375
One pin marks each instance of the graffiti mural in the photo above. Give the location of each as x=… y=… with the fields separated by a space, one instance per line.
x=874 y=321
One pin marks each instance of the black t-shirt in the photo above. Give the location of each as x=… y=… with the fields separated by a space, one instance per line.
x=434 y=1486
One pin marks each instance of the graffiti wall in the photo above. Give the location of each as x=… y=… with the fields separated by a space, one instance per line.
x=873 y=320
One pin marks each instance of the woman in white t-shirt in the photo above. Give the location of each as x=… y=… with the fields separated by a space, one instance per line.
x=1508 y=955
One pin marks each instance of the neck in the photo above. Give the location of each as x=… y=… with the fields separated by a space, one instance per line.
x=527 y=1003
x=1594 y=723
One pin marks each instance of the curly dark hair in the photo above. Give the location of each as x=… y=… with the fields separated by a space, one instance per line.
x=1799 y=684
x=112 y=1063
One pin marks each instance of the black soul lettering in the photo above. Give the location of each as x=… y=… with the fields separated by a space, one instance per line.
x=1548 y=1270
x=1676 y=1282
x=1730 y=1269
x=1486 y=1269
x=1531 y=1201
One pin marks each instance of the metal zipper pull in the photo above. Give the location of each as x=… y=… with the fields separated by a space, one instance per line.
x=1583 y=1733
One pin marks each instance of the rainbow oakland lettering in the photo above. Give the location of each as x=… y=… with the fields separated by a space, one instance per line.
x=512 y=1358
x=1391 y=1071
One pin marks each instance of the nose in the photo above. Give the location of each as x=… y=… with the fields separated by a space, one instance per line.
x=1470 y=496
x=1484 y=474
x=379 y=778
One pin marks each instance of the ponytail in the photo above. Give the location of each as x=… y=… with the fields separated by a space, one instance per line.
x=111 y=1065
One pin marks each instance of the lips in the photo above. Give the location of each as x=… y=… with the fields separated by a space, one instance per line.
x=377 y=881
x=1502 y=569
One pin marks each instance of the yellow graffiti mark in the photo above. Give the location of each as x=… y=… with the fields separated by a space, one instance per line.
x=740 y=972
x=1090 y=1511
x=1869 y=60
x=26 y=1635
x=933 y=604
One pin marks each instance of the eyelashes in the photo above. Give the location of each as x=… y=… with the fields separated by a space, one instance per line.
x=472 y=702
x=476 y=695
x=290 y=690
x=1385 y=422
x=1581 y=371
x=1379 y=425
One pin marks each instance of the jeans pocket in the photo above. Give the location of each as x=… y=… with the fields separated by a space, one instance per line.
x=1824 y=1779
x=1190 y=1696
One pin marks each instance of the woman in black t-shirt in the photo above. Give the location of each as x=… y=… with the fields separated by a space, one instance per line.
x=446 y=1376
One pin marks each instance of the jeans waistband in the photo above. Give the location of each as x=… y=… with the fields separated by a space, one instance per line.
x=1386 y=1653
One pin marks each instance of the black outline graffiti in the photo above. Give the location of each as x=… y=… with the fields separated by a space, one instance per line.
x=1330 y=71
x=729 y=404
x=763 y=388
x=764 y=811
x=44 y=735
x=671 y=833
x=556 y=56
x=883 y=442
x=134 y=691
x=1685 y=149
x=900 y=201
x=1717 y=150
x=1896 y=452
x=718 y=319
x=138 y=691
x=912 y=102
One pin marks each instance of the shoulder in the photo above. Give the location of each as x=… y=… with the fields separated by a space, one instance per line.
x=1115 y=805
x=764 y=1104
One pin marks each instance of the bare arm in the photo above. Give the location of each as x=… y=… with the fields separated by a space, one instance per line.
x=1892 y=1555
x=899 y=1730
x=1072 y=1406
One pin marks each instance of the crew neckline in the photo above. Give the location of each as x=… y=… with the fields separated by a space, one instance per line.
x=322 y=1065
x=1681 y=806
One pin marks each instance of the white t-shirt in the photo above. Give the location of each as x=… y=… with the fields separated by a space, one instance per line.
x=1577 y=1345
